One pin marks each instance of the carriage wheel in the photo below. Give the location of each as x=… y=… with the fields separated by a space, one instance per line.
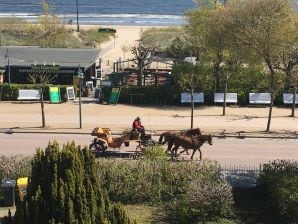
x=140 y=149
x=97 y=147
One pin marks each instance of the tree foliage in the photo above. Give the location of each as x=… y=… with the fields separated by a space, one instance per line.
x=255 y=33
x=63 y=188
x=260 y=27
x=209 y=33
x=279 y=185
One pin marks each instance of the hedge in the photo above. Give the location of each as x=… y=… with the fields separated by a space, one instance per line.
x=161 y=95
x=151 y=95
x=10 y=92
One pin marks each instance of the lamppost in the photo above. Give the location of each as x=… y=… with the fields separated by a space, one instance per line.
x=8 y=66
x=78 y=27
x=80 y=76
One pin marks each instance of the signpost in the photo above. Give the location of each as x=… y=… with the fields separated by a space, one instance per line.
x=114 y=95
x=55 y=96
x=70 y=93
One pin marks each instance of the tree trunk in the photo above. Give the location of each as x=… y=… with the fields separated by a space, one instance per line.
x=270 y=114
x=140 y=74
x=192 y=109
x=272 y=74
x=42 y=109
x=294 y=102
x=217 y=68
x=225 y=98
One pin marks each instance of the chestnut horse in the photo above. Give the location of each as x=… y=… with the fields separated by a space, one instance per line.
x=169 y=135
x=190 y=143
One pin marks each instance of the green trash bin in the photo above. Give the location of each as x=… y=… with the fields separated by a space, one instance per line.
x=8 y=189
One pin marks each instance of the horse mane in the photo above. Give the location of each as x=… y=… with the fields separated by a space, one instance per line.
x=194 y=131
x=205 y=137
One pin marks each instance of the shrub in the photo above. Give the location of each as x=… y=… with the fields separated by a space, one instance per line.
x=151 y=180
x=279 y=184
x=13 y=167
x=156 y=153
x=63 y=188
x=203 y=201
x=10 y=92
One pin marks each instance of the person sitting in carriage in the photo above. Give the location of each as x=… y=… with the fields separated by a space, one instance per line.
x=137 y=125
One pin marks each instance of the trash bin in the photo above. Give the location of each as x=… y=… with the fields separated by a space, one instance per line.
x=8 y=187
x=86 y=92
x=98 y=95
x=22 y=183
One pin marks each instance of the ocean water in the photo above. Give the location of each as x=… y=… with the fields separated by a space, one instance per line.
x=105 y=12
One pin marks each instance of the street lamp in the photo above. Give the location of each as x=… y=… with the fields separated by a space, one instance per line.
x=80 y=76
x=78 y=27
x=8 y=66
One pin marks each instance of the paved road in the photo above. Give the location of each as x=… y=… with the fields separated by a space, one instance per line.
x=228 y=152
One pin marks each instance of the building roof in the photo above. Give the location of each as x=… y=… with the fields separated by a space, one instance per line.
x=64 y=57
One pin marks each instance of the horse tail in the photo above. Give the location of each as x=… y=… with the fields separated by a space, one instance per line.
x=160 y=138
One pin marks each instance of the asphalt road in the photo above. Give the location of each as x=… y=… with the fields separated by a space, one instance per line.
x=228 y=151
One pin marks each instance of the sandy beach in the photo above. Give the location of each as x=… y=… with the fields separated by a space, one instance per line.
x=118 y=48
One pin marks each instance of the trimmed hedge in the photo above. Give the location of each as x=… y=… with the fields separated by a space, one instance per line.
x=161 y=95
x=151 y=95
x=10 y=92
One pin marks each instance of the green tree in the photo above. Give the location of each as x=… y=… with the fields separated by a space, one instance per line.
x=208 y=28
x=178 y=50
x=187 y=77
x=259 y=28
x=287 y=62
x=63 y=188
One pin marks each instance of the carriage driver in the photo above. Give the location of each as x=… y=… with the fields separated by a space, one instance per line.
x=136 y=125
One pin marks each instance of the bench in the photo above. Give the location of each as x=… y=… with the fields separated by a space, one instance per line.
x=197 y=98
x=28 y=94
x=288 y=98
x=230 y=98
x=259 y=98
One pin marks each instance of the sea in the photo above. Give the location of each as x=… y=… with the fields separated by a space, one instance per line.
x=103 y=12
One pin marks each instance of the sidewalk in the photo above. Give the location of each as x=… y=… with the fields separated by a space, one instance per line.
x=64 y=118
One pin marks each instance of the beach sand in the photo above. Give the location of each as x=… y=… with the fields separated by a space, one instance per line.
x=119 y=48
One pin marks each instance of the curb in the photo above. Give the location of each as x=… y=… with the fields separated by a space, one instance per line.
x=237 y=135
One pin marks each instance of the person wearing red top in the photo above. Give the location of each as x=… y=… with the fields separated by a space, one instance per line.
x=137 y=125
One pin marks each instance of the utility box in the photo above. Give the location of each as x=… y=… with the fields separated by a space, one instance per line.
x=22 y=183
x=8 y=189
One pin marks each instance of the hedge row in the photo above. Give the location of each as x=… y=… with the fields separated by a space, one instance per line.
x=10 y=92
x=161 y=95
x=151 y=95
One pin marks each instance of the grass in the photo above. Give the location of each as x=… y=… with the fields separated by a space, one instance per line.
x=145 y=214
x=160 y=37
x=52 y=34
x=248 y=209
x=93 y=36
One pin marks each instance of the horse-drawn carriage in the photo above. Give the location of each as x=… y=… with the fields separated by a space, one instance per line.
x=189 y=139
x=104 y=140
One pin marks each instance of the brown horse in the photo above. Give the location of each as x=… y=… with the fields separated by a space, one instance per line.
x=190 y=143
x=169 y=135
